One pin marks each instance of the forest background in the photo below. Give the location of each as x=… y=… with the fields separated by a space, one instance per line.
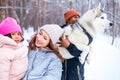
x=32 y=14
x=35 y=13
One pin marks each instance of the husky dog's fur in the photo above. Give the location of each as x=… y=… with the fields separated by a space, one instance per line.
x=92 y=21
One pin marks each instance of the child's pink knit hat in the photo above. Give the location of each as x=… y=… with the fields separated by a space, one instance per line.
x=54 y=31
x=9 y=25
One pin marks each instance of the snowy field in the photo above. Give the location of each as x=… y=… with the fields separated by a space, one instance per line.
x=105 y=59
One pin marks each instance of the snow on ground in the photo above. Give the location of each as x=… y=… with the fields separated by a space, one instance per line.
x=105 y=61
x=28 y=34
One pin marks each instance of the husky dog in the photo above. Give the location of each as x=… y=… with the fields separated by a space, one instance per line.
x=91 y=22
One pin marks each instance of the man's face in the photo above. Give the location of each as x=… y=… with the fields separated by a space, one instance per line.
x=73 y=19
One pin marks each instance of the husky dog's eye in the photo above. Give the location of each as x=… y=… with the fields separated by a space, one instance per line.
x=102 y=17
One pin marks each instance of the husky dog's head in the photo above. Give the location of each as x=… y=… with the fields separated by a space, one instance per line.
x=95 y=19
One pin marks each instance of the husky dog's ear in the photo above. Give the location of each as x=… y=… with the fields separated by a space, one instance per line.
x=98 y=9
x=99 y=6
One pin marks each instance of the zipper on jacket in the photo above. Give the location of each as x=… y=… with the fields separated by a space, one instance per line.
x=65 y=69
x=32 y=64
x=78 y=69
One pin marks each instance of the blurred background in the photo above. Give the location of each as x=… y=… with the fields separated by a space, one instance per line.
x=35 y=13
x=32 y=14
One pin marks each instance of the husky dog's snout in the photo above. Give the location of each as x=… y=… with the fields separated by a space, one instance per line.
x=111 y=24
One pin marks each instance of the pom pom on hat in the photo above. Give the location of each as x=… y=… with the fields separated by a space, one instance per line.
x=9 y=25
x=54 y=31
x=69 y=14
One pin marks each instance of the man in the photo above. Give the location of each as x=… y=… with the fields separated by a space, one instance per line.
x=73 y=68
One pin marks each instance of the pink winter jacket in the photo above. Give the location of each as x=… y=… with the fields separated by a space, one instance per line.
x=13 y=59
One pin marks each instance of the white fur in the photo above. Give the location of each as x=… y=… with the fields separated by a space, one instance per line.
x=93 y=21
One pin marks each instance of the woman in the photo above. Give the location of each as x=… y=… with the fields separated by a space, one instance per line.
x=44 y=62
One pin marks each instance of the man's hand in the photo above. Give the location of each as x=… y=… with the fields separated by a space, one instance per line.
x=65 y=42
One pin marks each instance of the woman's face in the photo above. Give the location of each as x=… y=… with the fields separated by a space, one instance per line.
x=16 y=36
x=42 y=39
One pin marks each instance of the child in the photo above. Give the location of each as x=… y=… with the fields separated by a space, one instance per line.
x=13 y=54
x=44 y=63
